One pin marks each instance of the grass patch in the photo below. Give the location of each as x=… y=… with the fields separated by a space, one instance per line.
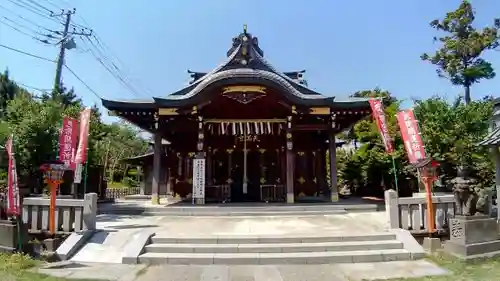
x=17 y=267
x=487 y=269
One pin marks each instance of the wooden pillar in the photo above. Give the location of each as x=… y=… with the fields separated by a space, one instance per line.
x=496 y=156
x=209 y=166
x=332 y=147
x=156 y=169
x=290 y=163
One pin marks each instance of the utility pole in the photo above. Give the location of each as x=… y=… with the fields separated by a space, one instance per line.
x=66 y=42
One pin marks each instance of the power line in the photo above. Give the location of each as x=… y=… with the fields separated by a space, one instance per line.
x=114 y=74
x=17 y=29
x=26 y=53
x=39 y=5
x=19 y=3
x=81 y=81
x=46 y=41
x=113 y=61
x=25 y=19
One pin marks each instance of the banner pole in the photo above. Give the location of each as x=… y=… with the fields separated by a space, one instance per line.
x=86 y=171
x=395 y=173
x=18 y=214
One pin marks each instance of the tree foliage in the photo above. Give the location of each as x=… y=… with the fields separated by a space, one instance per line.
x=35 y=123
x=367 y=169
x=458 y=59
x=451 y=131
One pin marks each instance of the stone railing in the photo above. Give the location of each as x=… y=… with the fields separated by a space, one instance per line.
x=410 y=213
x=71 y=215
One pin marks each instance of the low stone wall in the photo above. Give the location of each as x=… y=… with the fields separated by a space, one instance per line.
x=71 y=215
x=410 y=213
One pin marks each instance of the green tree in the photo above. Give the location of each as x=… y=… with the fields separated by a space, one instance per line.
x=451 y=131
x=8 y=89
x=368 y=169
x=458 y=59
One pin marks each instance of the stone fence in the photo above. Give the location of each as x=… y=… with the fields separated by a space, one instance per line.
x=71 y=215
x=410 y=213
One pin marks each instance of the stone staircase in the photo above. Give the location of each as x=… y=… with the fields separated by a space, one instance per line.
x=236 y=250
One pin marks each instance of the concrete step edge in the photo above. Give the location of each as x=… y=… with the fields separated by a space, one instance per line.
x=160 y=239
x=275 y=258
x=227 y=213
x=274 y=247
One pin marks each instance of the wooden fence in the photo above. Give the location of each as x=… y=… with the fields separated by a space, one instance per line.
x=410 y=213
x=117 y=193
x=71 y=215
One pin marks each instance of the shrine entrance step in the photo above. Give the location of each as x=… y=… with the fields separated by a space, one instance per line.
x=237 y=209
x=376 y=247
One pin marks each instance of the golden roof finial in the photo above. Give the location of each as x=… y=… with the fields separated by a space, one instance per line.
x=244 y=28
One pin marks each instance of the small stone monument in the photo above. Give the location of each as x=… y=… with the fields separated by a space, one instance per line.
x=471 y=235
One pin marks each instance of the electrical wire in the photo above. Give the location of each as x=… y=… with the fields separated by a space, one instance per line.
x=118 y=76
x=45 y=41
x=23 y=26
x=113 y=61
x=83 y=82
x=39 y=5
x=34 y=11
x=26 y=19
x=25 y=53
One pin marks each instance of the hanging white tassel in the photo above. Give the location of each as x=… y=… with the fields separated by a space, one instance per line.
x=234 y=128
x=223 y=128
x=262 y=128
x=241 y=128
x=256 y=128
x=269 y=127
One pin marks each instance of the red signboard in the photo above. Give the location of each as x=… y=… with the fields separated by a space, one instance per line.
x=379 y=115
x=13 y=200
x=81 y=152
x=67 y=142
x=411 y=136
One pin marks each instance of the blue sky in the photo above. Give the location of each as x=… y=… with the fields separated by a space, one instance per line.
x=345 y=46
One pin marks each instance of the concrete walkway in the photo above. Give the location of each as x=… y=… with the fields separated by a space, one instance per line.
x=327 y=272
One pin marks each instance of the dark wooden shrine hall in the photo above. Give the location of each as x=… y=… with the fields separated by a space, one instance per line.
x=263 y=134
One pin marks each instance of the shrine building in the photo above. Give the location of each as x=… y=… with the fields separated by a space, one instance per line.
x=253 y=133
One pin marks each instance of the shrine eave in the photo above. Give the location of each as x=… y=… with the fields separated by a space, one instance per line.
x=132 y=104
x=492 y=139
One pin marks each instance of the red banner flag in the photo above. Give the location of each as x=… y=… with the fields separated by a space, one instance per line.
x=411 y=136
x=13 y=200
x=68 y=140
x=379 y=115
x=81 y=152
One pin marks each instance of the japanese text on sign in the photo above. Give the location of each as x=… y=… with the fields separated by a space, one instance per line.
x=198 y=178
x=379 y=115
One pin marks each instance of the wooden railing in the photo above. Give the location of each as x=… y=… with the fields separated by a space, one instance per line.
x=219 y=193
x=273 y=193
x=410 y=213
x=71 y=215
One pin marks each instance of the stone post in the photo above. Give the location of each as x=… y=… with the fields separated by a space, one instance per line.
x=89 y=211
x=392 y=208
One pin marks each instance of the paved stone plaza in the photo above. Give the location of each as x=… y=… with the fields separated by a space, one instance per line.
x=327 y=272
x=101 y=257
